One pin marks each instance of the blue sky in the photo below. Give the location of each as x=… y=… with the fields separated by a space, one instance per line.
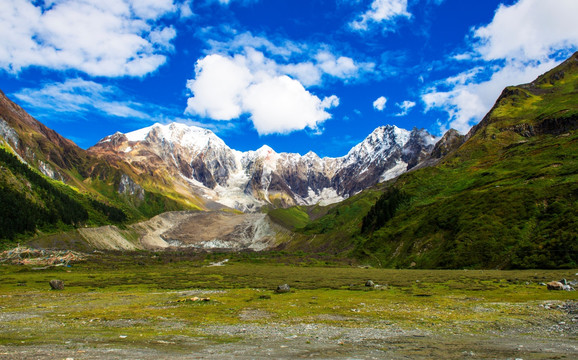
x=297 y=75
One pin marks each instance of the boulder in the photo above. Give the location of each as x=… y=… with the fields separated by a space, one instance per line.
x=283 y=289
x=56 y=284
x=555 y=285
x=370 y=283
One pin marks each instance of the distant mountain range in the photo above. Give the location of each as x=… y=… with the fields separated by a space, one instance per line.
x=202 y=162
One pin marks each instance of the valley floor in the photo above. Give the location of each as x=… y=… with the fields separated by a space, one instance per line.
x=155 y=306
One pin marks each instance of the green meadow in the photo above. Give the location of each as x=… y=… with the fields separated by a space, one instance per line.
x=154 y=301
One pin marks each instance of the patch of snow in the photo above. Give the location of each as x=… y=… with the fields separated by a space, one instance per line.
x=141 y=134
x=399 y=168
x=326 y=196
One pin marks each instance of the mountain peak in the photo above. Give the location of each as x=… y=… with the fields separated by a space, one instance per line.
x=265 y=149
x=176 y=133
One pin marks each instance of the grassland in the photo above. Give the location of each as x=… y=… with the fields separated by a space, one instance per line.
x=139 y=306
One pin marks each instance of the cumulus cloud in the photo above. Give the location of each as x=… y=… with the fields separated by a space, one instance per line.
x=381 y=11
x=269 y=81
x=405 y=107
x=521 y=42
x=219 y=86
x=226 y=87
x=97 y=37
x=281 y=105
x=379 y=103
x=529 y=30
x=79 y=97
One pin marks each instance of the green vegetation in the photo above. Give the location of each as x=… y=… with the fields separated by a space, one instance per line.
x=30 y=201
x=507 y=198
x=144 y=298
x=384 y=210
x=292 y=218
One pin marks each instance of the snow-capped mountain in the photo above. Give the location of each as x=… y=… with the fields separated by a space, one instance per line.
x=198 y=159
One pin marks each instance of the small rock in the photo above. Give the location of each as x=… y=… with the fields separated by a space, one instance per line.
x=283 y=289
x=555 y=285
x=56 y=284
x=370 y=283
x=564 y=282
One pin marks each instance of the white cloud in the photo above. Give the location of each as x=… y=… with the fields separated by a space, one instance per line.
x=405 y=107
x=307 y=63
x=381 y=11
x=218 y=87
x=342 y=67
x=80 y=97
x=529 y=30
x=282 y=105
x=379 y=103
x=186 y=9
x=226 y=87
x=523 y=41
x=98 y=37
x=306 y=72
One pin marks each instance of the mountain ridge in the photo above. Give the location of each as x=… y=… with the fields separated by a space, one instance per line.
x=264 y=177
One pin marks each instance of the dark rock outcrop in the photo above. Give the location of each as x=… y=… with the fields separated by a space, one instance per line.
x=56 y=284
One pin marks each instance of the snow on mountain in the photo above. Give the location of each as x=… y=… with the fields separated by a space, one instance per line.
x=249 y=180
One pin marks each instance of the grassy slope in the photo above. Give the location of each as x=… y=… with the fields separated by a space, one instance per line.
x=507 y=198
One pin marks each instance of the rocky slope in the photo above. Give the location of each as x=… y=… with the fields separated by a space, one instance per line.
x=198 y=160
x=201 y=230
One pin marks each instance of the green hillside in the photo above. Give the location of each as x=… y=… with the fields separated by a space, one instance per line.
x=30 y=201
x=88 y=191
x=507 y=198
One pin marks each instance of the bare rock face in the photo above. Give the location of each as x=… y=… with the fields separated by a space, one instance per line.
x=127 y=186
x=56 y=284
x=450 y=141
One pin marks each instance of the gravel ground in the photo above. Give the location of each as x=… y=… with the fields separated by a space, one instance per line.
x=380 y=340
